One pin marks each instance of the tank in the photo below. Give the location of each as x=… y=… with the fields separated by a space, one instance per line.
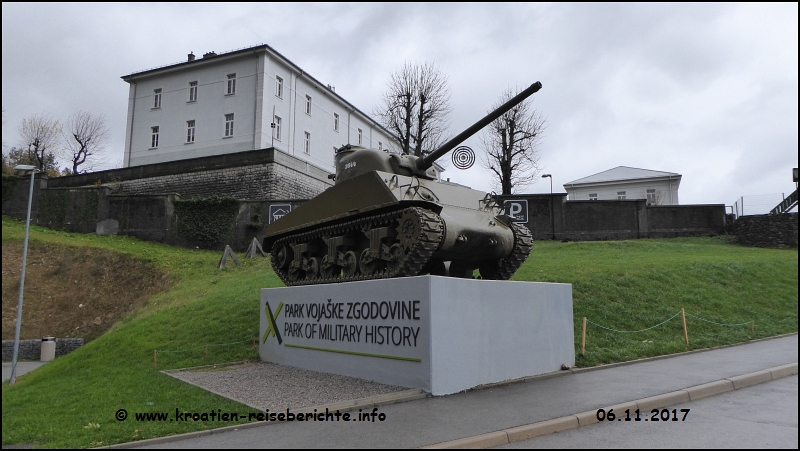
x=388 y=215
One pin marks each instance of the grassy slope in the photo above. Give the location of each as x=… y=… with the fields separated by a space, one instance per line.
x=54 y=405
x=632 y=285
x=620 y=284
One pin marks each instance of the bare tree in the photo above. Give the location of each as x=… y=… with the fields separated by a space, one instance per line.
x=415 y=107
x=511 y=144
x=85 y=139
x=40 y=137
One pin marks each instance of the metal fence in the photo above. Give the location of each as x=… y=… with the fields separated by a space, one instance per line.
x=757 y=204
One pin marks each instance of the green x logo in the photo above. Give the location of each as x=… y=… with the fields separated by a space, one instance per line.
x=272 y=328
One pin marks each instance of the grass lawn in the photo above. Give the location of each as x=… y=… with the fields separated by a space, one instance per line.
x=626 y=285
x=636 y=284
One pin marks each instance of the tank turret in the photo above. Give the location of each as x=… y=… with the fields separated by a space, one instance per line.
x=388 y=216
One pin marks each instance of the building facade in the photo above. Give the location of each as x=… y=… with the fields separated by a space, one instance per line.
x=243 y=100
x=625 y=183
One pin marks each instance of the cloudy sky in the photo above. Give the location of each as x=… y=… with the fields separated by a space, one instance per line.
x=708 y=91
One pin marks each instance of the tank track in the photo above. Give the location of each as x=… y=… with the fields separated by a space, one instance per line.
x=504 y=268
x=430 y=228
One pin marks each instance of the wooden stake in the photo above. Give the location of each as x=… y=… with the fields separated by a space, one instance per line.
x=583 y=340
x=155 y=352
x=255 y=344
x=685 y=331
x=753 y=326
x=206 y=353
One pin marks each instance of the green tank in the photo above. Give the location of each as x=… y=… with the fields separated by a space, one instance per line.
x=387 y=215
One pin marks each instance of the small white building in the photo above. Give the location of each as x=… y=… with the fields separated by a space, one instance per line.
x=247 y=99
x=622 y=182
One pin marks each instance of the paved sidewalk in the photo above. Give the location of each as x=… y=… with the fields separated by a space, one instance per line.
x=435 y=420
x=22 y=368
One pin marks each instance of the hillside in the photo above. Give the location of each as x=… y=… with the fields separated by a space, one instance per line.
x=625 y=285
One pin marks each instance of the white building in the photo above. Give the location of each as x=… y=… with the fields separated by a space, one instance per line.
x=622 y=182
x=227 y=103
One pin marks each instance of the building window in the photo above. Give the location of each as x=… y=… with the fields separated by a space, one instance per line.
x=154 y=137
x=278 y=87
x=593 y=196
x=336 y=122
x=231 y=84
x=229 y=124
x=277 y=128
x=307 y=148
x=380 y=145
x=620 y=195
x=193 y=91
x=308 y=105
x=360 y=136
x=156 y=98
x=189 y=131
x=651 y=197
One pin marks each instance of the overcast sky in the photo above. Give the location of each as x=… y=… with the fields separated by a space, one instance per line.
x=705 y=90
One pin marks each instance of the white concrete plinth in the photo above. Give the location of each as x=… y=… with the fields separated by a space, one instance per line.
x=440 y=334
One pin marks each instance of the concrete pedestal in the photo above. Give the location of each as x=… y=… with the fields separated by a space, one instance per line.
x=439 y=334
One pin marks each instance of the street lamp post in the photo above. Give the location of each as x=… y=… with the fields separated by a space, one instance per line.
x=13 y=378
x=551 y=182
x=552 y=207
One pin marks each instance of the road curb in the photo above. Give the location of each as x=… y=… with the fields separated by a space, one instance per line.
x=529 y=431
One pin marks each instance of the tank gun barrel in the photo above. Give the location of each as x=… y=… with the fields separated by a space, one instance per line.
x=427 y=162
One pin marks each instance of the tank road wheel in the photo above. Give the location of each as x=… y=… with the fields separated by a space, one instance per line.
x=408 y=228
x=293 y=274
x=367 y=264
x=349 y=264
x=328 y=269
x=313 y=268
x=280 y=256
x=397 y=257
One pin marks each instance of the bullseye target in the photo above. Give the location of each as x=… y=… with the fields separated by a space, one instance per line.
x=463 y=157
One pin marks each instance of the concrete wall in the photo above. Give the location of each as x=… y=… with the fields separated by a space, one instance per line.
x=139 y=201
x=766 y=230
x=144 y=207
x=31 y=349
x=450 y=339
x=152 y=218
x=256 y=174
x=667 y=221
x=553 y=217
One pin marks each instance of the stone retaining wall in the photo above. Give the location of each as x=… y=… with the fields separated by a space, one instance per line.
x=31 y=349
x=766 y=230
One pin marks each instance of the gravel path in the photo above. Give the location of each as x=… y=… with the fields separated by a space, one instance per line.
x=264 y=385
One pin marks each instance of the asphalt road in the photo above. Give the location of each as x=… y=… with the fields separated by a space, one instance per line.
x=760 y=416
x=435 y=420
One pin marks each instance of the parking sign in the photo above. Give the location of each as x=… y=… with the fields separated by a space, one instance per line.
x=517 y=209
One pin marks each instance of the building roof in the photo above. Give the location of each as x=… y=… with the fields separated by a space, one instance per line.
x=621 y=173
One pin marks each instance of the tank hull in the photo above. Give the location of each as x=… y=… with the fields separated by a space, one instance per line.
x=380 y=225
